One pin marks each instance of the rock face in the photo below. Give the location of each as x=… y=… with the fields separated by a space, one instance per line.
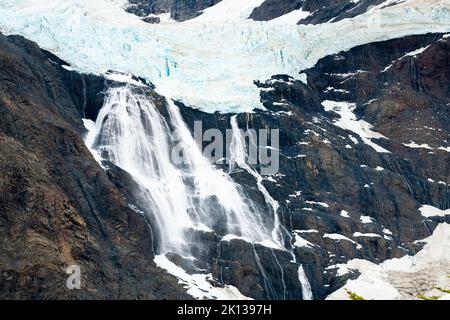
x=332 y=184
x=320 y=10
x=57 y=206
x=180 y=10
x=340 y=197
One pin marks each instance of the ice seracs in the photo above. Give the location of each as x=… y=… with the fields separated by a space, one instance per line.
x=221 y=56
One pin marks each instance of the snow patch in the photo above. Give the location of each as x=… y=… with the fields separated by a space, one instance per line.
x=292 y=17
x=348 y=121
x=306 y=231
x=227 y=10
x=300 y=242
x=430 y=211
x=366 y=219
x=342 y=269
x=403 y=278
x=367 y=235
x=199 y=285
x=345 y=214
x=323 y=204
x=414 y=145
x=338 y=237
x=414 y=53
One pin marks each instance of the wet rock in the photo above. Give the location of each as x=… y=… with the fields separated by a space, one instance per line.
x=58 y=207
x=330 y=182
x=335 y=191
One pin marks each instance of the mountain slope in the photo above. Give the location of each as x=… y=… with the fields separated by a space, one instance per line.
x=57 y=206
x=364 y=149
x=381 y=220
x=317 y=11
x=302 y=11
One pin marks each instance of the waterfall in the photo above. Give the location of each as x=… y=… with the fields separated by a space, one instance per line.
x=179 y=189
x=306 y=287
x=131 y=133
x=238 y=156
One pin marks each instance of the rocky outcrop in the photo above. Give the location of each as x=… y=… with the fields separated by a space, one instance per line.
x=401 y=89
x=180 y=10
x=58 y=207
x=331 y=183
x=320 y=11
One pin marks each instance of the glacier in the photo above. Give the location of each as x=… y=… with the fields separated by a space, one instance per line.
x=211 y=62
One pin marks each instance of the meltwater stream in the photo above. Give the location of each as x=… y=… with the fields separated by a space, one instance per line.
x=180 y=196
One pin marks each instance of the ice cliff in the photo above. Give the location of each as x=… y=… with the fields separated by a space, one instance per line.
x=210 y=62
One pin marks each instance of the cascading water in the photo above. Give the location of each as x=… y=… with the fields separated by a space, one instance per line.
x=306 y=286
x=238 y=157
x=131 y=133
x=191 y=194
x=179 y=188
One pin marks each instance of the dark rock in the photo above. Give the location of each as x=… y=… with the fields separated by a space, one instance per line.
x=326 y=170
x=57 y=206
x=321 y=11
x=180 y=10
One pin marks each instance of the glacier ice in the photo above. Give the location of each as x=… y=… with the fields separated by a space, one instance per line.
x=210 y=62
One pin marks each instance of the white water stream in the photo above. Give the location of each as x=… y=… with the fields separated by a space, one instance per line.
x=183 y=195
x=131 y=133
